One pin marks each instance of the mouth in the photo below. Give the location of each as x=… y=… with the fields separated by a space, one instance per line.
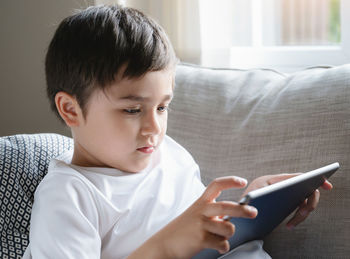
x=147 y=150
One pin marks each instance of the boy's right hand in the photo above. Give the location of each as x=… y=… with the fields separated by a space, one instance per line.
x=201 y=225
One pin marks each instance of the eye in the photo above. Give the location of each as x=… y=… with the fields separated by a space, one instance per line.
x=163 y=108
x=132 y=111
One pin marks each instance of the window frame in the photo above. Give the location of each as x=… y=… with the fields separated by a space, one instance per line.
x=283 y=58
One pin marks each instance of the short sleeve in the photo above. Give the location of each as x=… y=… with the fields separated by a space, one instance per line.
x=64 y=221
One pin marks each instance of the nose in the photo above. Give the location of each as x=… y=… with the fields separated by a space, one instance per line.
x=151 y=124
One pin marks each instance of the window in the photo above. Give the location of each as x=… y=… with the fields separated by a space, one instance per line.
x=283 y=34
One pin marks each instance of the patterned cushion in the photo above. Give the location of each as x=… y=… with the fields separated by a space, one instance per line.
x=24 y=162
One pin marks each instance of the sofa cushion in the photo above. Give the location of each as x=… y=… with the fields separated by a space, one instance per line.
x=24 y=161
x=257 y=122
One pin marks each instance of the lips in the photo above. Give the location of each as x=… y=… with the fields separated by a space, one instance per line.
x=146 y=150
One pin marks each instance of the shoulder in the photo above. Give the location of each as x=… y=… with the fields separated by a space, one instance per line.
x=62 y=176
x=64 y=186
x=173 y=152
x=66 y=205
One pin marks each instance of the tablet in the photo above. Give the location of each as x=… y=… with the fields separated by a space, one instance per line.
x=274 y=203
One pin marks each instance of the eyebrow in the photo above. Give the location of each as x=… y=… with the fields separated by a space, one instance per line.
x=137 y=98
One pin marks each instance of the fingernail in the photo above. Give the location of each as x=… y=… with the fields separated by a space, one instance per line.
x=224 y=251
x=241 y=180
x=290 y=226
x=252 y=209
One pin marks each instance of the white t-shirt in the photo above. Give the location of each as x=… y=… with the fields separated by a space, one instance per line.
x=92 y=212
x=82 y=212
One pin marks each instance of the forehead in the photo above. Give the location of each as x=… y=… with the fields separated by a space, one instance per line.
x=151 y=85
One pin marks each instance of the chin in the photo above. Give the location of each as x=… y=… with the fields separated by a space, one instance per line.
x=137 y=167
x=132 y=164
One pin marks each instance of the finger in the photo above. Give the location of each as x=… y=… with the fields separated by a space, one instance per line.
x=231 y=209
x=219 y=184
x=304 y=210
x=216 y=242
x=327 y=185
x=219 y=227
x=281 y=177
x=297 y=218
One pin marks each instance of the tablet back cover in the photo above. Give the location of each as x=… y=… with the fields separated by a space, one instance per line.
x=273 y=208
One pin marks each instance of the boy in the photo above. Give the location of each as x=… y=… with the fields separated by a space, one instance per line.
x=127 y=189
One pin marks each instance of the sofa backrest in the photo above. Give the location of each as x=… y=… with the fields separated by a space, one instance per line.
x=257 y=122
x=234 y=122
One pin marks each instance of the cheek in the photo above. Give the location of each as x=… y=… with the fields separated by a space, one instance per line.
x=122 y=132
x=164 y=124
x=111 y=128
x=117 y=139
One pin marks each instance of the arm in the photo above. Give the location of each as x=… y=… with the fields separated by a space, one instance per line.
x=199 y=227
x=63 y=222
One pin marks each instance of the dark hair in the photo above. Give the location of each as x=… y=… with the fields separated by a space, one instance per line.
x=89 y=48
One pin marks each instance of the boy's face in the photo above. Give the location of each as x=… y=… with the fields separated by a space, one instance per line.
x=124 y=124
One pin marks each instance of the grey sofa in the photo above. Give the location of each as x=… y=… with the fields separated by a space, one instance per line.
x=234 y=122
x=257 y=122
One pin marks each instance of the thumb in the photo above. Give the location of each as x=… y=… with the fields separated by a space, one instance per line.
x=215 y=188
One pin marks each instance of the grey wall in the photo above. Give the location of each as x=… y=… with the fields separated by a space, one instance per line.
x=26 y=28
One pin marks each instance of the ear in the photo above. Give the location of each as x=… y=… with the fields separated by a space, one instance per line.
x=69 y=109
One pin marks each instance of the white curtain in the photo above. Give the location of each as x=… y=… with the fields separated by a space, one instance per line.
x=179 y=18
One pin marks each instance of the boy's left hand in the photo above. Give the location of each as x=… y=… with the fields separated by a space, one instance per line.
x=304 y=209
